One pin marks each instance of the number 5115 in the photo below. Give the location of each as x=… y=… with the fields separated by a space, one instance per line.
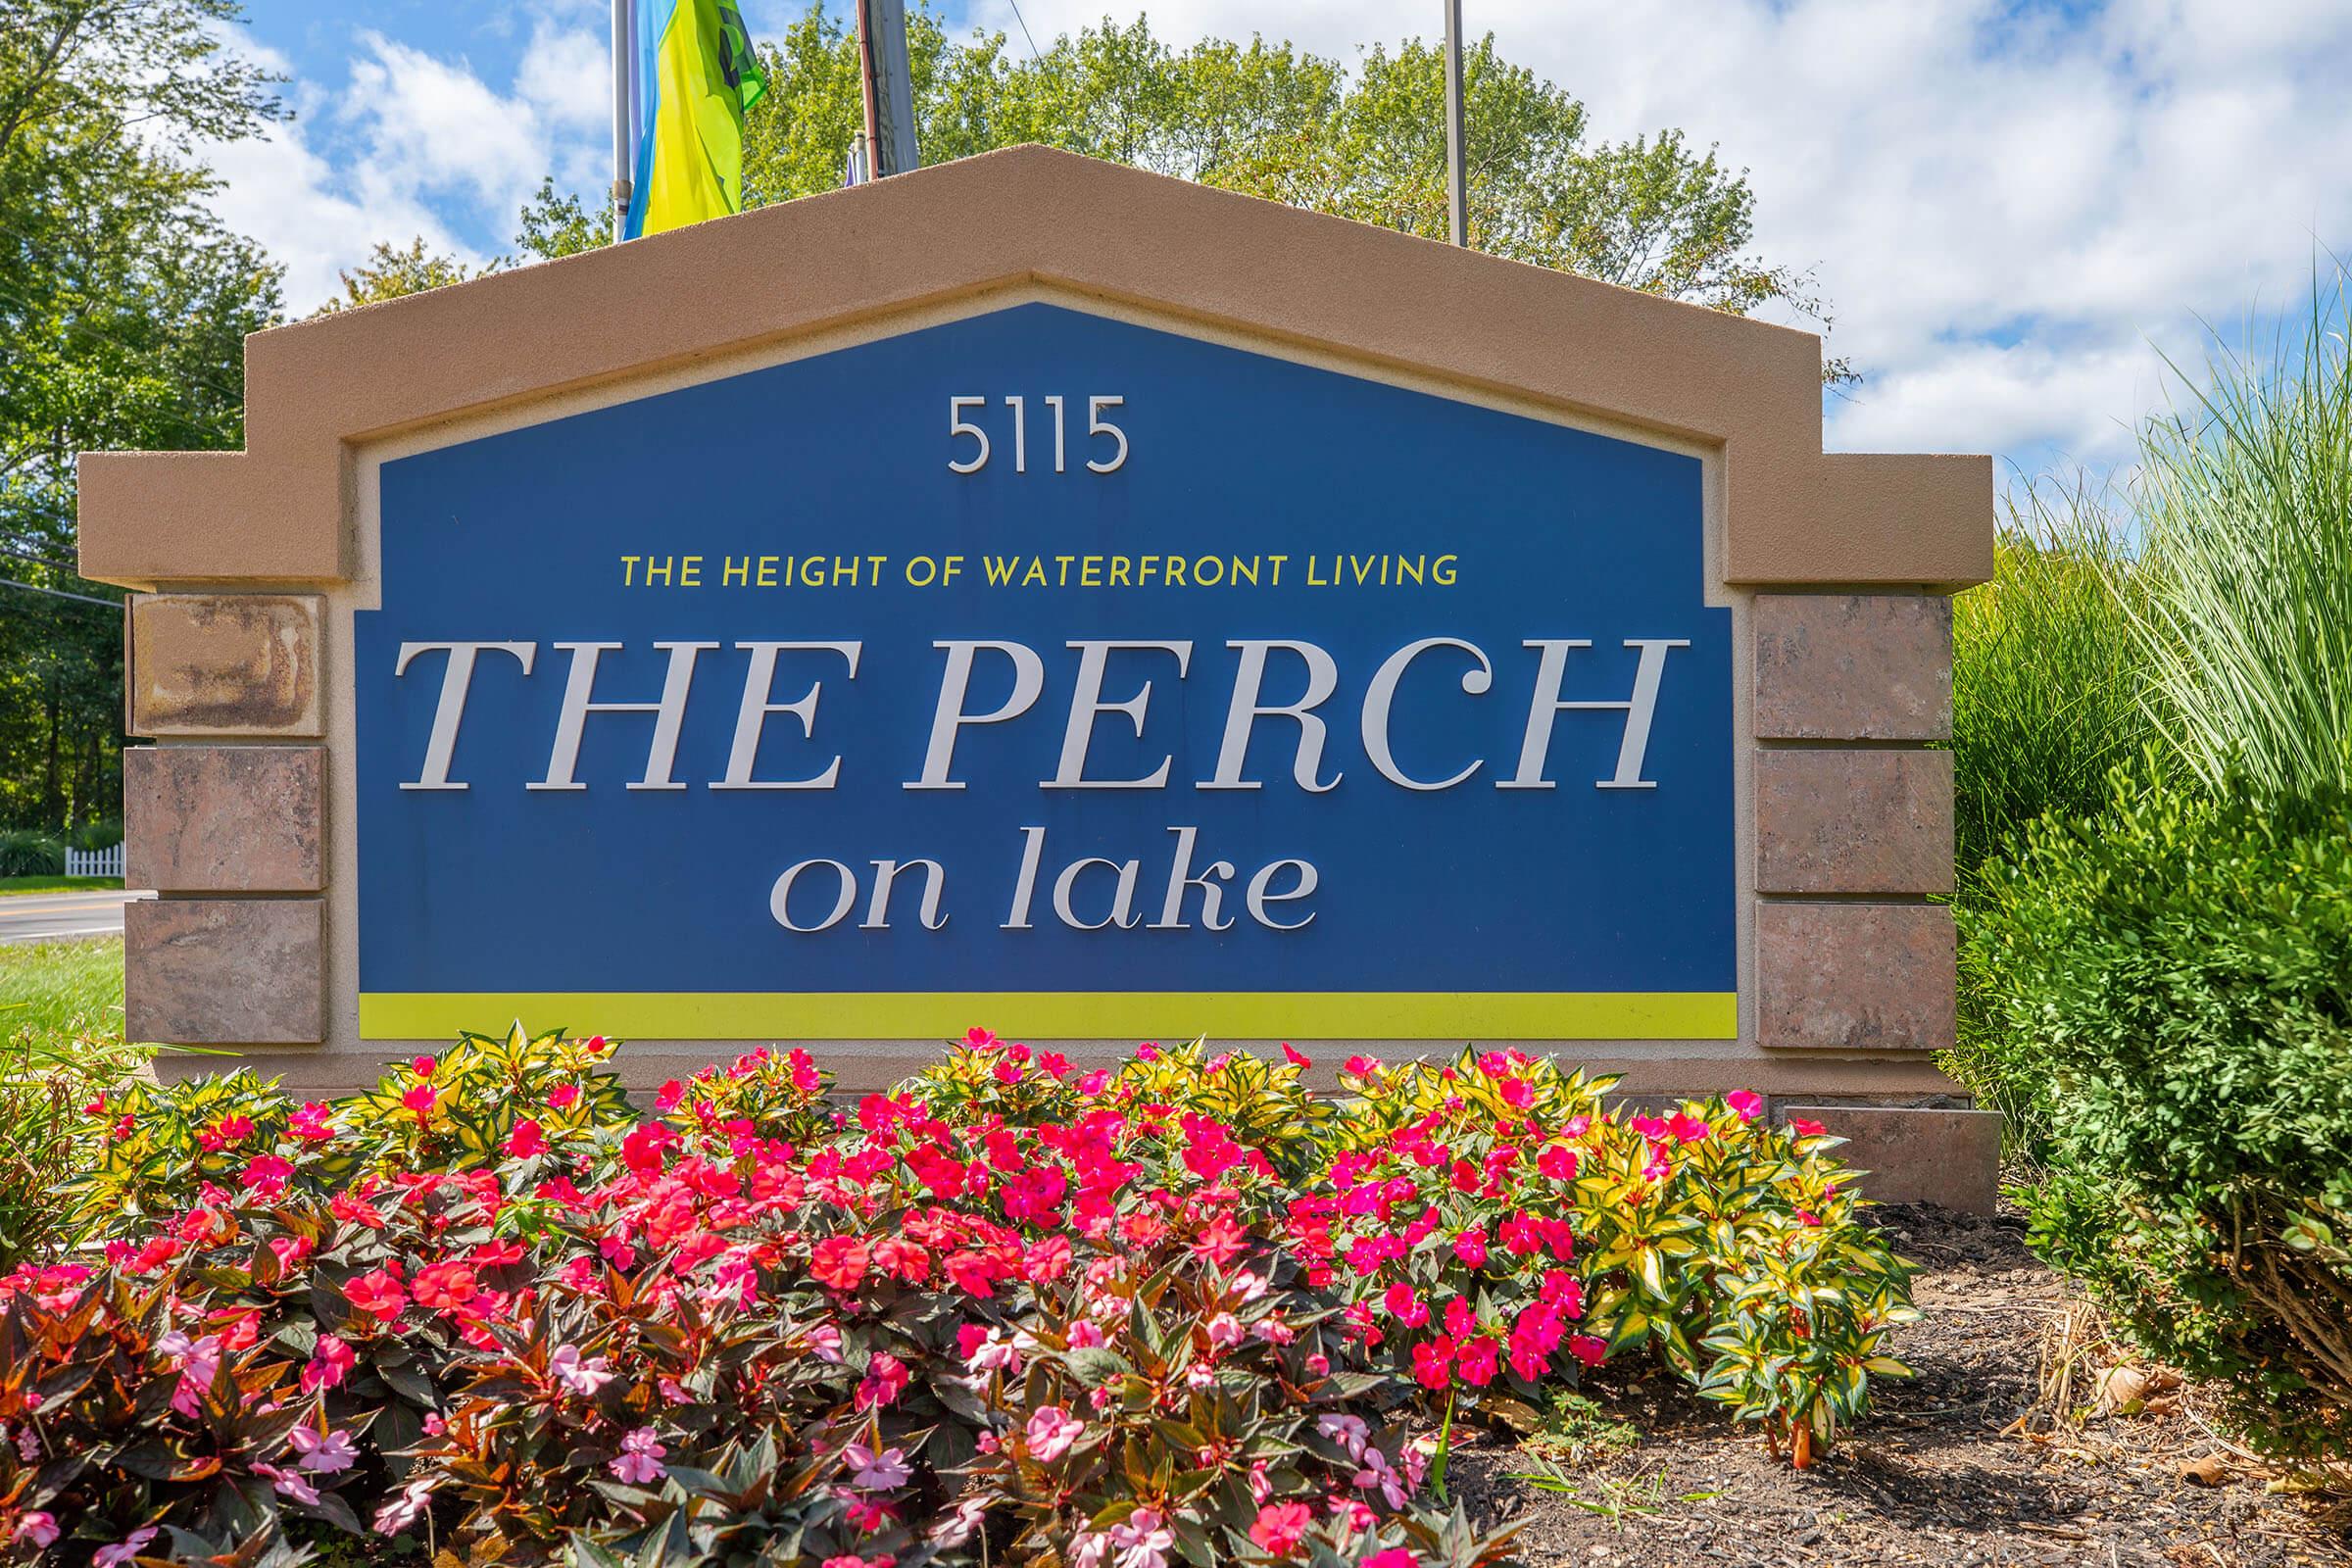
x=1096 y=428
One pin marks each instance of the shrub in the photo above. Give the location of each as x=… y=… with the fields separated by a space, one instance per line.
x=1548 y=1224
x=1011 y=1312
x=2185 y=968
x=2046 y=675
x=60 y=1045
x=29 y=852
x=91 y=837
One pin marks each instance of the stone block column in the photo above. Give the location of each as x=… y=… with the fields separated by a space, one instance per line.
x=226 y=819
x=1853 y=822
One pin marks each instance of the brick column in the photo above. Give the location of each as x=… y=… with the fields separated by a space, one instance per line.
x=231 y=835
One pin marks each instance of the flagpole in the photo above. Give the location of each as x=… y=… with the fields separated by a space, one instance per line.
x=1458 y=179
x=624 y=119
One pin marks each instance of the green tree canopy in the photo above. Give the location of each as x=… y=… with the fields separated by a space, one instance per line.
x=124 y=308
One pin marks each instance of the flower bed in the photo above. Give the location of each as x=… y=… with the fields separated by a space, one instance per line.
x=1176 y=1311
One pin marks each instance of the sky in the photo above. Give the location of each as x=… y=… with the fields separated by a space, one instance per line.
x=2017 y=211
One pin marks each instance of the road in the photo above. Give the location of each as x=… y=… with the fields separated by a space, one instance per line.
x=57 y=916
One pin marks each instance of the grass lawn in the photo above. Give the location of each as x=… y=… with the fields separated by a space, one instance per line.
x=58 y=884
x=55 y=992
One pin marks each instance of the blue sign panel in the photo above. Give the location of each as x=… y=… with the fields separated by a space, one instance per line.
x=1051 y=669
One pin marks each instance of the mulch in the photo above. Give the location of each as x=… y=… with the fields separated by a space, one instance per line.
x=1961 y=1465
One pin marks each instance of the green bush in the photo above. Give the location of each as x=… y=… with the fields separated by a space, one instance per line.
x=61 y=1044
x=29 y=851
x=2183 y=968
x=2048 y=689
x=93 y=836
x=2047 y=683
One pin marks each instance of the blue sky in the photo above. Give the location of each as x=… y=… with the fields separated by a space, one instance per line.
x=2013 y=208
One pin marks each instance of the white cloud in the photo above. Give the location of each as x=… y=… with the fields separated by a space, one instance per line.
x=412 y=143
x=2004 y=204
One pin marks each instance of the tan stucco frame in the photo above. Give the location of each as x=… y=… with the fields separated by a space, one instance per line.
x=330 y=400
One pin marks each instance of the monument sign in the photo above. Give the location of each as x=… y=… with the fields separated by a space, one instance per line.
x=1034 y=593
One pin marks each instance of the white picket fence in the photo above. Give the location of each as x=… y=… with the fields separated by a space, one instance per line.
x=94 y=862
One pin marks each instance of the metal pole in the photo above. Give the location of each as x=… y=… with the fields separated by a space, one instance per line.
x=624 y=116
x=893 y=87
x=1457 y=173
x=865 y=82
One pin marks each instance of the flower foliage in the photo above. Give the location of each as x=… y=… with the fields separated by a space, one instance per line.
x=1178 y=1310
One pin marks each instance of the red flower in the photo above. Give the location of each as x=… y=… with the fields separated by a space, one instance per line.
x=897 y=1255
x=1805 y=1129
x=377 y=1292
x=1295 y=1059
x=1407 y=1308
x=838 y=1262
x=1480 y=1359
x=1221 y=1241
x=424 y=1066
x=1393 y=1557
x=1471 y=1248
x=444 y=1287
x=1588 y=1349
x=526 y=1140
x=1049 y=1258
x=667 y=1097
x=1746 y=1102
x=562 y=1095
x=641 y=1151
x=1432 y=1363
x=420 y=1100
x=1279 y=1525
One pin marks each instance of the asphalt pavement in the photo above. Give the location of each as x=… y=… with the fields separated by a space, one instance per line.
x=62 y=916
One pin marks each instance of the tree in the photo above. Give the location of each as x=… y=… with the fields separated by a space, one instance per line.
x=1276 y=121
x=391 y=272
x=124 y=308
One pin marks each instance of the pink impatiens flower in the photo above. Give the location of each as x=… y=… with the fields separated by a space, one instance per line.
x=1050 y=1432
x=288 y=1484
x=640 y=1458
x=405 y=1508
x=886 y=1378
x=582 y=1376
x=875 y=1472
x=1143 y=1539
x=124 y=1550
x=1746 y=1102
x=332 y=1361
x=199 y=1363
x=323 y=1452
x=36 y=1526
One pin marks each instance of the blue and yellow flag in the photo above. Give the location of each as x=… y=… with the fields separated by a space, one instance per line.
x=697 y=76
